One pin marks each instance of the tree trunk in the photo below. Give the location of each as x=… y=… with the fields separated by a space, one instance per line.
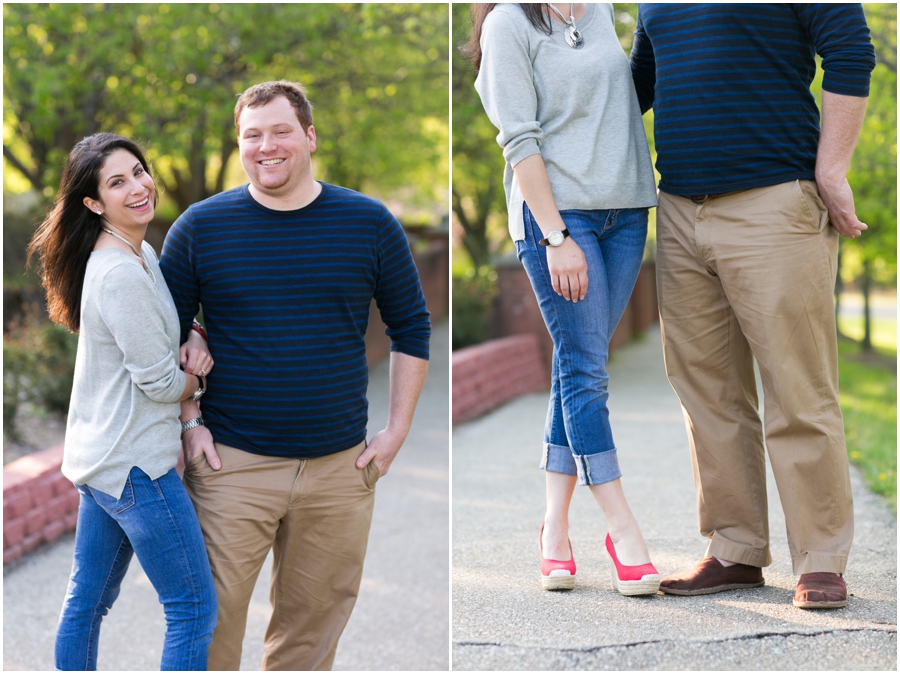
x=867 y=321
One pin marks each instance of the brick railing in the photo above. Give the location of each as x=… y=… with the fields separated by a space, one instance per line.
x=39 y=504
x=489 y=374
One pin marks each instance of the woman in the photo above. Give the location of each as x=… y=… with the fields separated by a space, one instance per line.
x=554 y=80
x=123 y=432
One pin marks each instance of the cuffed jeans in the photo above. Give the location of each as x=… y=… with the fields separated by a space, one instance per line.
x=577 y=435
x=748 y=274
x=155 y=520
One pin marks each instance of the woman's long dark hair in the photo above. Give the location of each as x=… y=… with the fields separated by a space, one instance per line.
x=533 y=10
x=65 y=239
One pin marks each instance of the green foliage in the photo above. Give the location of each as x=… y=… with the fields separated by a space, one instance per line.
x=473 y=296
x=869 y=403
x=38 y=366
x=873 y=172
x=168 y=75
x=479 y=202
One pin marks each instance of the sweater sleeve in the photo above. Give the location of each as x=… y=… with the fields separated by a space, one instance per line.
x=841 y=37
x=178 y=265
x=398 y=293
x=505 y=84
x=133 y=313
x=643 y=66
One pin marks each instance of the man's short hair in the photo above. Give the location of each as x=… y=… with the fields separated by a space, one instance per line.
x=260 y=94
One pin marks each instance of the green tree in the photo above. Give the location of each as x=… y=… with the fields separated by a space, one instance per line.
x=478 y=163
x=168 y=75
x=872 y=258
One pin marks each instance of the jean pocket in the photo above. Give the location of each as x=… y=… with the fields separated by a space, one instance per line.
x=112 y=505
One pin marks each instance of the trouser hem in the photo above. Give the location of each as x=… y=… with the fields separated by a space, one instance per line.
x=817 y=562
x=739 y=554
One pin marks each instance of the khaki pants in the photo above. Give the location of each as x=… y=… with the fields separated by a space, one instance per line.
x=315 y=513
x=748 y=274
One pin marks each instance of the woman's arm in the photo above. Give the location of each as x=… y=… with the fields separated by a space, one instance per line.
x=506 y=86
x=131 y=310
x=568 y=268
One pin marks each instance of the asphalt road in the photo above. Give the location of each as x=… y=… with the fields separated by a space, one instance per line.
x=502 y=620
x=401 y=620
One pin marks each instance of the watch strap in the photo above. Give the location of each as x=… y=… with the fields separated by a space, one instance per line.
x=546 y=240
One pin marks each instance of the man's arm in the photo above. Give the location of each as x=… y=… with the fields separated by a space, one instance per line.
x=198 y=439
x=643 y=66
x=842 y=120
x=407 y=378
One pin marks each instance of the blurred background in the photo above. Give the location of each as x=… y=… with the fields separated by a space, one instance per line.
x=168 y=75
x=492 y=298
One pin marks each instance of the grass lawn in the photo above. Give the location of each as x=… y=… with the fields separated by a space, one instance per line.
x=868 y=385
x=884 y=332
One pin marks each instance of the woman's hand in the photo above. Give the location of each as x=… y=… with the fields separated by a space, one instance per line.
x=568 y=270
x=194 y=355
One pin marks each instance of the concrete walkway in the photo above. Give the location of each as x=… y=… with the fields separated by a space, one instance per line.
x=401 y=620
x=502 y=620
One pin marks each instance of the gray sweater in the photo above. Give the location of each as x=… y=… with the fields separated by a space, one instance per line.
x=124 y=408
x=577 y=108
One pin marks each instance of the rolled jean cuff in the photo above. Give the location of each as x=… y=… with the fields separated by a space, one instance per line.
x=558 y=459
x=590 y=468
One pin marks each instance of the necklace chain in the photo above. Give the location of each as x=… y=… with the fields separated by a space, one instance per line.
x=573 y=37
x=133 y=250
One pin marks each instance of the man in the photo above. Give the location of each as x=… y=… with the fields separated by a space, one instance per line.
x=285 y=269
x=752 y=199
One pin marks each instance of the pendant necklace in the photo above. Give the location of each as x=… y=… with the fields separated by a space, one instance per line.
x=133 y=250
x=573 y=37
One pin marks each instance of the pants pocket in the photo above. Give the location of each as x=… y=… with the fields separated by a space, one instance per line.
x=112 y=505
x=814 y=206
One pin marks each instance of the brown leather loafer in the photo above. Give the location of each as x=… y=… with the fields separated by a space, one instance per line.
x=821 y=590
x=708 y=576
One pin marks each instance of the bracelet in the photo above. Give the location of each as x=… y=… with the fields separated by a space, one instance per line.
x=193 y=423
x=196 y=327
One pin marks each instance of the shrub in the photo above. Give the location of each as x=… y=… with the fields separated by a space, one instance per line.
x=38 y=366
x=473 y=297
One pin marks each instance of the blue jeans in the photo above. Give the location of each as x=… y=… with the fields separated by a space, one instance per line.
x=577 y=436
x=156 y=520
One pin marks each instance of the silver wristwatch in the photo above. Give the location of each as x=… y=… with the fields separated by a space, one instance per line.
x=200 y=391
x=192 y=423
x=554 y=238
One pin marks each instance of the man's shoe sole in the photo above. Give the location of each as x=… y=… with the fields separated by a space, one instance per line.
x=820 y=604
x=711 y=590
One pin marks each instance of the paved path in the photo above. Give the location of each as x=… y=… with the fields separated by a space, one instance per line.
x=401 y=620
x=502 y=620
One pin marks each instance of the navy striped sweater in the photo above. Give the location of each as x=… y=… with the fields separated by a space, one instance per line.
x=729 y=88
x=285 y=298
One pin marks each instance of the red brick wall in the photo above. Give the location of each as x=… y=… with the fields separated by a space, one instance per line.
x=487 y=375
x=39 y=504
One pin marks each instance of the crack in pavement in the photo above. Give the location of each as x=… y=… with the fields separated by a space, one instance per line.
x=890 y=629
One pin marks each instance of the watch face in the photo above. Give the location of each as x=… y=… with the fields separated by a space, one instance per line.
x=555 y=238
